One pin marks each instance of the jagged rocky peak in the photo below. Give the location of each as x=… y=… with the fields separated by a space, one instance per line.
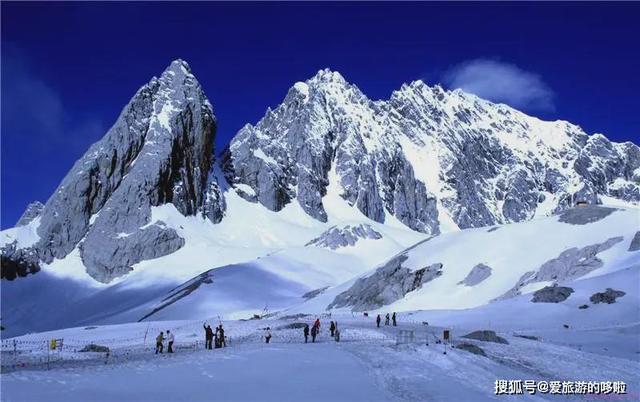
x=160 y=150
x=425 y=156
x=33 y=211
x=337 y=237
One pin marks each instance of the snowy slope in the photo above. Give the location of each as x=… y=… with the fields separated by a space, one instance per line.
x=512 y=252
x=257 y=251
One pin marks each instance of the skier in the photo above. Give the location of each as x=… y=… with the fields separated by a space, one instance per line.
x=267 y=335
x=314 y=332
x=159 y=344
x=208 y=336
x=170 y=339
x=393 y=318
x=386 y=319
x=317 y=325
x=306 y=333
x=337 y=334
x=378 y=320
x=332 y=328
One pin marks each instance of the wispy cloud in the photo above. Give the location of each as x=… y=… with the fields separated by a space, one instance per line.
x=35 y=112
x=501 y=82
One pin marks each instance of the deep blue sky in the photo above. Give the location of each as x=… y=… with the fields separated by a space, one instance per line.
x=68 y=69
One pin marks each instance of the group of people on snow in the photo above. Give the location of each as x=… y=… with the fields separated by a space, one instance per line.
x=160 y=342
x=386 y=320
x=217 y=339
x=315 y=331
x=211 y=339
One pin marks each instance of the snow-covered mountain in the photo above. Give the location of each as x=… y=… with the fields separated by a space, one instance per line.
x=432 y=158
x=300 y=208
x=160 y=150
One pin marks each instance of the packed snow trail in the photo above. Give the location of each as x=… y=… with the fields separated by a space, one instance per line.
x=274 y=372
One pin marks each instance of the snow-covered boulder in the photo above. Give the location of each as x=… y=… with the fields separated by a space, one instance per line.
x=477 y=274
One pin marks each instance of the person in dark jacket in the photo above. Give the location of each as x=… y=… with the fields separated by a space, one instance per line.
x=393 y=318
x=332 y=328
x=159 y=342
x=378 y=321
x=337 y=334
x=314 y=332
x=386 y=319
x=223 y=341
x=267 y=335
x=208 y=336
x=306 y=333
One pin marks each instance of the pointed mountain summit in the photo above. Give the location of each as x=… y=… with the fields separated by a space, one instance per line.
x=160 y=150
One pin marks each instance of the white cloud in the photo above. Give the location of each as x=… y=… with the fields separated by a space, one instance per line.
x=501 y=82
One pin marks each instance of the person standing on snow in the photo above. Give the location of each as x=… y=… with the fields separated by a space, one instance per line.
x=337 y=334
x=208 y=336
x=306 y=333
x=216 y=338
x=159 y=344
x=314 y=332
x=170 y=340
x=393 y=318
x=386 y=319
x=378 y=321
x=332 y=328
x=267 y=335
x=223 y=342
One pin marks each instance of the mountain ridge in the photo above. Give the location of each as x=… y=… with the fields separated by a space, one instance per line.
x=435 y=160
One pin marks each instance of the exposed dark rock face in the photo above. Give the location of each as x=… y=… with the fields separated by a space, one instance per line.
x=18 y=262
x=485 y=336
x=635 y=242
x=387 y=284
x=160 y=150
x=477 y=274
x=33 y=211
x=336 y=237
x=552 y=294
x=583 y=307
x=609 y=296
x=585 y=214
x=529 y=337
x=470 y=347
x=570 y=264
